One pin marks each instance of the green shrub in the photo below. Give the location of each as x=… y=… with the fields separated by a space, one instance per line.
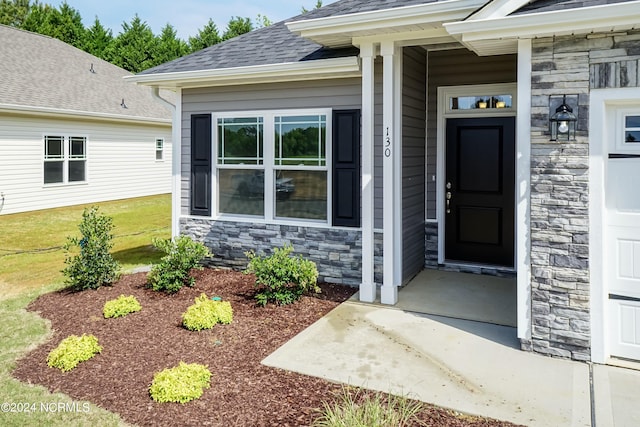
x=73 y=350
x=173 y=271
x=206 y=313
x=93 y=266
x=121 y=306
x=282 y=278
x=357 y=409
x=181 y=384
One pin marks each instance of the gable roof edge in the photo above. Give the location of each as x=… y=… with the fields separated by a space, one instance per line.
x=498 y=9
x=86 y=115
x=267 y=73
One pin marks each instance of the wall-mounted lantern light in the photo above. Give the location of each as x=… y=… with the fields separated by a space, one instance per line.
x=562 y=125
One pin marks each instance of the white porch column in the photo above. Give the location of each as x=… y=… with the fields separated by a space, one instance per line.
x=368 y=286
x=391 y=155
x=523 y=174
x=176 y=156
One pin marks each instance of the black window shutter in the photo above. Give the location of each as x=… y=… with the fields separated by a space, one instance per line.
x=201 y=164
x=346 y=168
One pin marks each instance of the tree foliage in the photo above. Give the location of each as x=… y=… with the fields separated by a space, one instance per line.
x=317 y=6
x=236 y=27
x=14 y=12
x=98 y=40
x=206 y=36
x=135 y=48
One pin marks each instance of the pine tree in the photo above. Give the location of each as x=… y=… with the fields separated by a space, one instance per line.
x=169 y=46
x=135 y=47
x=14 y=12
x=207 y=36
x=64 y=23
x=98 y=40
x=237 y=26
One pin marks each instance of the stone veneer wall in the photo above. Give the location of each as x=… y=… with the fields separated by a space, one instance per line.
x=568 y=65
x=336 y=251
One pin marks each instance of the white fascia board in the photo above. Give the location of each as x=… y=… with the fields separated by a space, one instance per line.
x=64 y=113
x=543 y=24
x=270 y=73
x=437 y=12
x=498 y=9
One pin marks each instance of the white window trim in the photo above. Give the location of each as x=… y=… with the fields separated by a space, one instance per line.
x=66 y=157
x=269 y=165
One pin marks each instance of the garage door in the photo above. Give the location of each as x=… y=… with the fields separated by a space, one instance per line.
x=622 y=219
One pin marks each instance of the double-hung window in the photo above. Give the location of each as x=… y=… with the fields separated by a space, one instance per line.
x=65 y=159
x=159 y=149
x=273 y=165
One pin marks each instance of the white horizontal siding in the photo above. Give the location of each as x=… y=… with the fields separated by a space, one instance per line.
x=121 y=162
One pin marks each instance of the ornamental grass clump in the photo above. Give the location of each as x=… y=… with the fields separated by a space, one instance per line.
x=73 y=350
x=369 y=409
x=182 y=255
x=180 y=384
x=93 y=266
x=282 y=278
x=206 y=313
x=121 y=306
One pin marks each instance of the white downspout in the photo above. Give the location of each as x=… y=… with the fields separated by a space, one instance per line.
x=175 y=157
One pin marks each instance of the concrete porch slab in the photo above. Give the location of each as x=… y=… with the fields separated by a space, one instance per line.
x=467 y=296
x=467 y=366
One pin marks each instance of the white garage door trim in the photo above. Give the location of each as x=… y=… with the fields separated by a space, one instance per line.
x=602 y=127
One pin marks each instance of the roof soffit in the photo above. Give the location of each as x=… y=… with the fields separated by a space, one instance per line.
x=499 y=34
x=396 y=23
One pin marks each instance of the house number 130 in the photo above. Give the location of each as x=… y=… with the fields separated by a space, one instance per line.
x=387 y=145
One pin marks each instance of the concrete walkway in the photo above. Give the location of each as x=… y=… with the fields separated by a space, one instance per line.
x=468 y=366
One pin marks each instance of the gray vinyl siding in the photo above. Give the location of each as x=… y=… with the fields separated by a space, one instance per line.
x=377 y=145
x=413 y=153
x=336 y=94
x=455 y=68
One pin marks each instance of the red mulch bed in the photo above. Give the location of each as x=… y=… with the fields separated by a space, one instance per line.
x=243 y=392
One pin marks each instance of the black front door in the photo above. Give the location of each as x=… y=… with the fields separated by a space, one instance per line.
x=480 y=190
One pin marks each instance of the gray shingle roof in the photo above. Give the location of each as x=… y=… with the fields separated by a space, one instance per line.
x=555 y=5
x=276 y=44
x=43 y=72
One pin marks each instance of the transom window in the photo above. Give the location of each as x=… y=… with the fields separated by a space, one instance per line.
x=273 y=165
x=65 y=159
x=632 y=129
x=480 y=102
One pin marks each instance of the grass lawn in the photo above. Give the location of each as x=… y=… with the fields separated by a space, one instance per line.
x=31 y=258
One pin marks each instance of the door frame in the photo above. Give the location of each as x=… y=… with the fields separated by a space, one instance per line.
x=602 y=126
x=444 y=113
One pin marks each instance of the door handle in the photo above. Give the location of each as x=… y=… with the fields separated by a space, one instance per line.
x=448 y=201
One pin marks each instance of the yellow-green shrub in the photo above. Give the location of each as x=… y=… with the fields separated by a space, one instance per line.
x=73 y=350
x=206 y=313
x=121 y=306
x=181 y=384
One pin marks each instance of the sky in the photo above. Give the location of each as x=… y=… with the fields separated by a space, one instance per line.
x=186 y=16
